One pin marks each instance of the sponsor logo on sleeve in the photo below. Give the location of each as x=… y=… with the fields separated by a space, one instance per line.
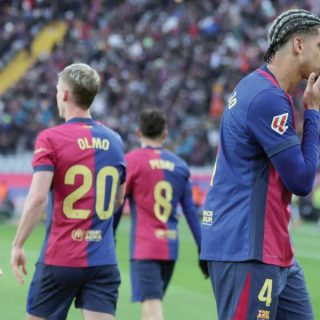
x=279 y=123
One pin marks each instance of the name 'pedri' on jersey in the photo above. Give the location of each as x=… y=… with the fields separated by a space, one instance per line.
x=157 y=181
x=88 y=164
x=246 y=210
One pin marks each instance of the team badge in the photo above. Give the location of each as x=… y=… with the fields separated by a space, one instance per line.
x=263 y=314
x=279 y=123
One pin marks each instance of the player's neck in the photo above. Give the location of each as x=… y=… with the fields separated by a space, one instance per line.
x=284 y=71
x=75 y=112
x=153 y=143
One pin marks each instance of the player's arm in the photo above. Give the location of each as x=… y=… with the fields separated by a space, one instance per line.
x=190 y=212
x=116 y=218
x=130 y=174
x=120 y=196
x=120 y=201
x=33 y=208
x=119 y=207
x=271 y=121
x=297 y=165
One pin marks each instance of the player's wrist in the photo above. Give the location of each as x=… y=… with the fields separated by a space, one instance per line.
x=314 y=108
x=311 y=105
x=17 y=244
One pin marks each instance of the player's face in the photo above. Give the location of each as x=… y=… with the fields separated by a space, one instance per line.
x=60 y=102
x=310 y=59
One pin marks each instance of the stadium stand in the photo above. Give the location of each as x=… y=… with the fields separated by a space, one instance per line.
x=182 y=56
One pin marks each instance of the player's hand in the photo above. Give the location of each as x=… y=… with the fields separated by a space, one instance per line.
x=18 y=260
x=204 y=268
x=311 y=96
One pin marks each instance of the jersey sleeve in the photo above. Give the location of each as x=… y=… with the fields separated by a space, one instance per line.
x=270 y=119
x=302 y=161
x=130 y=172
x=43 y=159
x=190 y=212
x=123 y=170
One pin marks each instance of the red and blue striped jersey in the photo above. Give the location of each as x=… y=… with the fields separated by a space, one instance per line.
x=88 y=164
x=246 y=210
x=157 y=181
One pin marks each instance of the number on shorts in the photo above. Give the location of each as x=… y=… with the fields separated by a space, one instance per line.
x=266 y=292
x=87 y=182
x=163 y=195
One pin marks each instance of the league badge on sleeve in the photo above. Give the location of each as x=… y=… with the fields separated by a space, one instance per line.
x=279 y=123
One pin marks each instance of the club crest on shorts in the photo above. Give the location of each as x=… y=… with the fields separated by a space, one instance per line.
x=263 y=314
x=279 y=123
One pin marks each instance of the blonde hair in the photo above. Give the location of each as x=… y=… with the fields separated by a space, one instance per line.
x=83 y=81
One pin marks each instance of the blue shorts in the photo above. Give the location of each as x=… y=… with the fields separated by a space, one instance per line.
x=150 y=278
x=53 y=289
x=254 y=290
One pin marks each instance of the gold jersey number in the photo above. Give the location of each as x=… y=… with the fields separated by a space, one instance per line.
x=163 y=193
x=87 y=182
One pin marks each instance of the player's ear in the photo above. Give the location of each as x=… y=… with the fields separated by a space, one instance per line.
x=297 y=43
x=164 y=135
x=65 y=95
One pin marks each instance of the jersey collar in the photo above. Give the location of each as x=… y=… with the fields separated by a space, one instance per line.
x=269 y=75
x=83 y=120
x=154 y=148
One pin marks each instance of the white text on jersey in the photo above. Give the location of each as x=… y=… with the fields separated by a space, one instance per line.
x=161 y=164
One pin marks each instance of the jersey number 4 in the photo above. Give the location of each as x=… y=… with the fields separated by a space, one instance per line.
x=265 y=293
x=87 y=183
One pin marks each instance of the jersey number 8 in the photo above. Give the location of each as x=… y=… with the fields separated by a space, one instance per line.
x=162 y=196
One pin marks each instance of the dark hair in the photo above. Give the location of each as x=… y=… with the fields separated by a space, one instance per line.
x=290 y=22
x=152 y=123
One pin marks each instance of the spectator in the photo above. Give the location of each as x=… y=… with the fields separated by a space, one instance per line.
x=185 y=58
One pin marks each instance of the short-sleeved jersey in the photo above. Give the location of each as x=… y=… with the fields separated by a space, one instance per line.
x=246 y=210
x=157 y=181
x=87 y=160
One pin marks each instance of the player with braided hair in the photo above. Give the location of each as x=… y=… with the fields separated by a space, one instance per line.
x=288 y=23
x=245 y=234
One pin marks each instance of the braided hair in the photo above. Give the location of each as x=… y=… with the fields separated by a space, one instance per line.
x=288 y=23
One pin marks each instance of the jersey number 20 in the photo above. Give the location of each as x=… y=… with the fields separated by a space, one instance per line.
x=100 y=188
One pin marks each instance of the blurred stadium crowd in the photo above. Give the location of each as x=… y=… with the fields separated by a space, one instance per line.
x=184 y=57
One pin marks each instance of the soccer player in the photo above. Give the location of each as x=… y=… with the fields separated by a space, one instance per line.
x=157 y=181
x=260 y=163
x=82 y=162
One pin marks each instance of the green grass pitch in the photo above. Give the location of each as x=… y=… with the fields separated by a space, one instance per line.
x=189 y=295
